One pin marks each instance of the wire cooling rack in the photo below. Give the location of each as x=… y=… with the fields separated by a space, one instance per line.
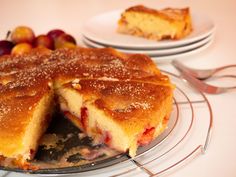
x=186 y=137
x=189 y=136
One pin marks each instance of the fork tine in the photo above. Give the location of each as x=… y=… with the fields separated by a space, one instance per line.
x=198 y=73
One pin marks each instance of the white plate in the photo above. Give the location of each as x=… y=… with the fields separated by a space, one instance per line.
x=168 y=58
x=103 y=29
x=155 y=52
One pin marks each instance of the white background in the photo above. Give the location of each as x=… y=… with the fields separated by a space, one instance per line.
x=70 y=15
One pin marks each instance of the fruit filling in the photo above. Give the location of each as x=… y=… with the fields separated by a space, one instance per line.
x=146 y=137
x=99 y=135
x=32 y=153
x=102 y=136
x=84 y=117
x=107 y=137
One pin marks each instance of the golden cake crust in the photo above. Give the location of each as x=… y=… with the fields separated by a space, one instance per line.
x=174 y=14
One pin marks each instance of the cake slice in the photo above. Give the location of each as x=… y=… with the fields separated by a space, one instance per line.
x=169 y=23
x=23 y=119
x=121 y=100
x=26 y=105
x=123 y=115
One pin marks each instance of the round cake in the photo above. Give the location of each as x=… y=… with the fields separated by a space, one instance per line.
x=121 y=100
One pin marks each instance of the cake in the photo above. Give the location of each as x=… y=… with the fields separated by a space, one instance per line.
x=168 y=23
x=121 y=100
x=24 y=117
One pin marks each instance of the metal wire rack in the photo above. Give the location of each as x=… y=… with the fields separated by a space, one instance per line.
x=188 y=136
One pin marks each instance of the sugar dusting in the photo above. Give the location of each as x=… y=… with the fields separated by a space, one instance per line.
x=4 y=109
x=39 y=68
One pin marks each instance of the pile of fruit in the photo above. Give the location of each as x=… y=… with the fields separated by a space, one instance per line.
x=23 y=39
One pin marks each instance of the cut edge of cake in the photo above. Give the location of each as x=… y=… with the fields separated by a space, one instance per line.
x=102 y=127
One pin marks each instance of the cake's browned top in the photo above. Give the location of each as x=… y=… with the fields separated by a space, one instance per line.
x=80 y=63
x=167 y=13
x=22 y=73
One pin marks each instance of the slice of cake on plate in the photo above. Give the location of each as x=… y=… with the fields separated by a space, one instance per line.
x=169 y=23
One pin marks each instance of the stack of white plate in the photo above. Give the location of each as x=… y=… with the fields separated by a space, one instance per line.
x=101 y=31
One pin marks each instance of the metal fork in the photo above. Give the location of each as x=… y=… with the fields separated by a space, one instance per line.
x=193 y=76
x=200 y=74
x=205 y=87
